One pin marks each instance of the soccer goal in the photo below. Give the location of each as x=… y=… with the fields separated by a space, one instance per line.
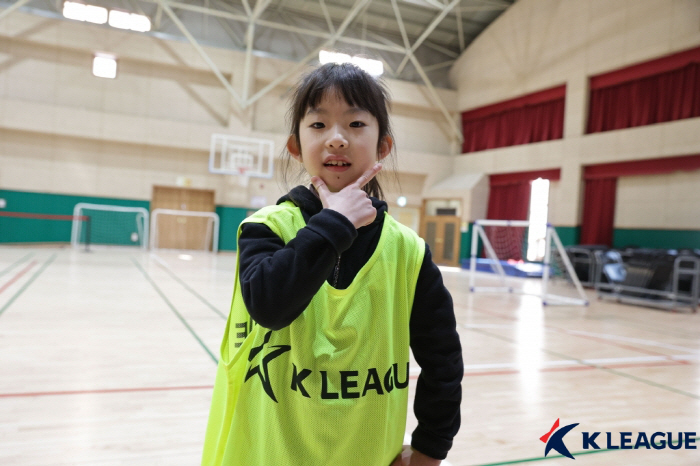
x=184 y=230
x=112 y=225
x=503 y=245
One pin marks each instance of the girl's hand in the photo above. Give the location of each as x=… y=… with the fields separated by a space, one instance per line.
x=414 y=458
x=351 y=201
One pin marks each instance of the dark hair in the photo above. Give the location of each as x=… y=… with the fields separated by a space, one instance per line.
x=357 y=88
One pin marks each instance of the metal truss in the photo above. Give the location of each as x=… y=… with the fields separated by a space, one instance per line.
x=428 y=35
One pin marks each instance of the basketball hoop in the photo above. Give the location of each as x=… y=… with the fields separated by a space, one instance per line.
x=243 y=177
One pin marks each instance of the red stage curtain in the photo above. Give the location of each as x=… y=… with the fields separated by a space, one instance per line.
x=599 y=211
x=665 y=89
x=601 y=186
x=509 y=199
x=531 y=118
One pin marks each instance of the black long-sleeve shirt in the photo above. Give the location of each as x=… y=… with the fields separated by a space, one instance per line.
x=330 y=248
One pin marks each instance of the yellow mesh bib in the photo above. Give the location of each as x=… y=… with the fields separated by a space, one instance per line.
x=332 y=387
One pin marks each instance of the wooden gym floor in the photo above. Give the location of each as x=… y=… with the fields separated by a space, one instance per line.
x=108 y=358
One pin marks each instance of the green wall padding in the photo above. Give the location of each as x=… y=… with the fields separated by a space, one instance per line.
x=230 y=218
x=656 y=239
x=466 y=243
x=21 y=230
x=569 y=236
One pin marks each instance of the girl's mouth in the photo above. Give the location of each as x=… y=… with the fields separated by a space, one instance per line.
x=337 y=165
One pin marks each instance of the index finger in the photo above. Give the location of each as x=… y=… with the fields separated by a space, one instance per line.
x=368 y=175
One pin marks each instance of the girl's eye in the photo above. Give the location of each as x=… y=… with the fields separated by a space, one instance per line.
x=318 y=125
x=357 y=124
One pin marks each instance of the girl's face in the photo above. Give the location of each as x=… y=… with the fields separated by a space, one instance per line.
x=338 y=142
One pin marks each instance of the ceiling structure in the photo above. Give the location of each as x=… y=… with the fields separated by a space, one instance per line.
x=417 y=40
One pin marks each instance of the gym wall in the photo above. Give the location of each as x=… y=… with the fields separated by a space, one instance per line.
x=66 y=132
x=540 y=44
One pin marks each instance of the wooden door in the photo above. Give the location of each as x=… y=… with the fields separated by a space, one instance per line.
x=442 y=234
x=183 y=232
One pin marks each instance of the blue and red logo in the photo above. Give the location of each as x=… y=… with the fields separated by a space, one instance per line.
x=555 y=440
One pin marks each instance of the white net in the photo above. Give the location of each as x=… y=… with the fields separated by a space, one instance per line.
x=184 y=230
x=109 y=225
x=499 y=263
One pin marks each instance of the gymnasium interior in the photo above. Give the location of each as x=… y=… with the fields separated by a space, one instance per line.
x=548 y=151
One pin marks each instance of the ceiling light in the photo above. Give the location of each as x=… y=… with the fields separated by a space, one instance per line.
x=120 y=19
x=140 y=23
x=325 y=56
x=104 y=66
x=95 y=14
x=74 y=10
x=373 y=67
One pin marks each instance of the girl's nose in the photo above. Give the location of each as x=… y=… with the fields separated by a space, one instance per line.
x=336 y=140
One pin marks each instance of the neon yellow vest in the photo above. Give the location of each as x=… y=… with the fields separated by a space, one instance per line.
x=332 y=387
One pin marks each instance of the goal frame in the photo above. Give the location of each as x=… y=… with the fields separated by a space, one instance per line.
x=76 y=227
x=187 y=213
x=551 y=238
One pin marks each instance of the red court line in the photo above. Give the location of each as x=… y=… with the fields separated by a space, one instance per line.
x=43 y=216
x=106 y=390
x=17 y=276
x=574 y=368
x=414 y=377
x=578 y=335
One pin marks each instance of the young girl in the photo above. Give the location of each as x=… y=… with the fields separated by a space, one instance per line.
x=330 y=292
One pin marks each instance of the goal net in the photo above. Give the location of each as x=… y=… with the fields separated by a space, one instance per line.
x=499 y=263
x=184 y=230
x=98 y=224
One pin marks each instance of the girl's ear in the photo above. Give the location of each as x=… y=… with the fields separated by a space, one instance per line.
x=385 y=147
x=293 y=147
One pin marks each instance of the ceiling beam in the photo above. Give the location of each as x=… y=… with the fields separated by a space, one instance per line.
x=249 y=39
x=13 y=7
x=426 y=33
x=456 y=130
x=357 y=7
x=215 y=69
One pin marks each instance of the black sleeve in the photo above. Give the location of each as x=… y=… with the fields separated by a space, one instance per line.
x=436 y=348
x=279 y=280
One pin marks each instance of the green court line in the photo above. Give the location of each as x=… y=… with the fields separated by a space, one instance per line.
x=26 y=285
x=188 y=288
x=596 y=366
x=172 y=308
x=575 y=454
x=27 y=257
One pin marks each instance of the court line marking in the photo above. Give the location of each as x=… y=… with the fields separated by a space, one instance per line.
x=203 y=387
x=104 y=390
x=569 y=332
x=167 y=268
x=174 y=310
x=635 y=340
x=597 y=366
x=19 y=261
x=17 y=276
x=29 y=282
x=631 y=361
x=508 y=371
